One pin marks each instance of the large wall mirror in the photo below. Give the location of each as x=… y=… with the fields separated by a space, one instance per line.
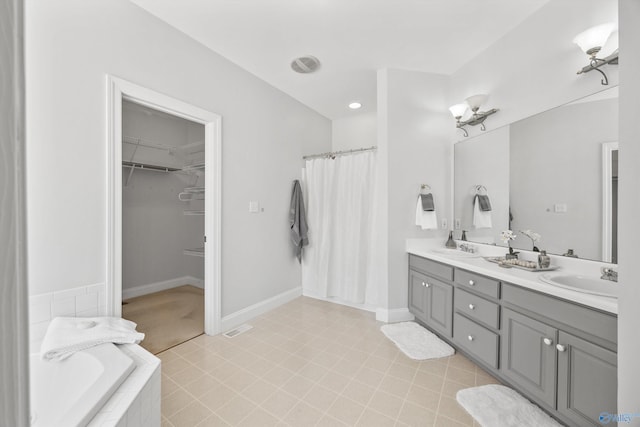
x=554 y=174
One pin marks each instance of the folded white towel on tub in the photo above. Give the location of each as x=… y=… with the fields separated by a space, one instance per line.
x=67 y=335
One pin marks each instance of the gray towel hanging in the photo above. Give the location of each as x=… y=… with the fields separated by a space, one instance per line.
x=427 y=202
x=485 y=204
x=298 y=220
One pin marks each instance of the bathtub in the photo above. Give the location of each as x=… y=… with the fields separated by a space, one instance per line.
x=70 y=392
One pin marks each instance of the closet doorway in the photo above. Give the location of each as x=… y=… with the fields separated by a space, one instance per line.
x=164 y=160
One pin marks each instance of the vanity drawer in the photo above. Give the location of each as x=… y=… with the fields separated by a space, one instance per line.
x=476 y=339
x=431 y=268
x=481 y=284
x=477 y=308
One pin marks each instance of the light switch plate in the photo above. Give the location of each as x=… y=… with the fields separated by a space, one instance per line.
x=254 y=207
x=456 y=223
x=560 y=208
x=443 y=223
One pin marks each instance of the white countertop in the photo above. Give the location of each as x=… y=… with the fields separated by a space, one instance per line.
x=426 y=248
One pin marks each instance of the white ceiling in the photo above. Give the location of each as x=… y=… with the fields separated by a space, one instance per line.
x=351 y=38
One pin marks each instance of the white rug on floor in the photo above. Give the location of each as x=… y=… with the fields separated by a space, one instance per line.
x=415 y=341
x=495 y=405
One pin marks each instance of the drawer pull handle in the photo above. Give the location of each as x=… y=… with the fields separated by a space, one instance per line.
x=560 y=347
x=471 y=306
x=470 y=337
x=471 y=283
x=548 y=341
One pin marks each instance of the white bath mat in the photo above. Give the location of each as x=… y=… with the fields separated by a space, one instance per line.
x=416 y=342
x=495 y=405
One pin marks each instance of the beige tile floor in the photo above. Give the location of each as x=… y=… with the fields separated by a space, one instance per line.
x=311 y=363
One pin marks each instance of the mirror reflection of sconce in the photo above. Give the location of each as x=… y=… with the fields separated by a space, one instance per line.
x=477 y=117
x=591 y=41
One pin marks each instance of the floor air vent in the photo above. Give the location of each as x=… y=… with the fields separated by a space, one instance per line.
x=237 y=331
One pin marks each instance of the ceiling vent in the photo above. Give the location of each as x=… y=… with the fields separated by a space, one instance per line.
x=305 y=64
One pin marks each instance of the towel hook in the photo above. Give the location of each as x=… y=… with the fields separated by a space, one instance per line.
x=480 y=188
x=424 y=187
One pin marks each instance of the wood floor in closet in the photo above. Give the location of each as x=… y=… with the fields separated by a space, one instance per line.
x=167 y=318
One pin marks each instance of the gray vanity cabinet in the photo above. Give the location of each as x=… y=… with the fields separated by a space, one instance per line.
x=417 y=294
x=431 y=297
x=529 y=355
x=587 y=380
x=559 y=354
x=439 y=306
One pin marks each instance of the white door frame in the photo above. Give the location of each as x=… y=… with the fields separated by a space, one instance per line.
x=117 y=91
x=607 y=194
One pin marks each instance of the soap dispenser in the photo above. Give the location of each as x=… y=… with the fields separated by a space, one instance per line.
x=451 y=244
x=543 y=260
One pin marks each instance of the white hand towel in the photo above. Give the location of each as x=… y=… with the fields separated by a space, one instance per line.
x=427 y=220
x=481 y=219
x=67 y=335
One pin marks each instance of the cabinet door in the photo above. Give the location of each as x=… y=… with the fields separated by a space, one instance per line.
x=528 y=355
x=417 y=295
x=440 y=306
x=587 y=381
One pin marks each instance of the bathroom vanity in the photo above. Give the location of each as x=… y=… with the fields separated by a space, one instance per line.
x=555 y=346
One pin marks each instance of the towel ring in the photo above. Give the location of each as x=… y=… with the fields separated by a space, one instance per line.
x=424 y=187
x=480 y=188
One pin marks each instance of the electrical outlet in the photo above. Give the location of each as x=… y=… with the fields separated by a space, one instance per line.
x=456 y=224
x=443 y=223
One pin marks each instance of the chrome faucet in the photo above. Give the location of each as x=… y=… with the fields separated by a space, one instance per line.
x=609 y=274
x=465 y=247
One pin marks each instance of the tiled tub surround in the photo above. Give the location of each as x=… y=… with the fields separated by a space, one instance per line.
x=83 y=301
x=136 y=403
x=556 y=346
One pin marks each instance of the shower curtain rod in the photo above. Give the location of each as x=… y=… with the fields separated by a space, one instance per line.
x=338 y=153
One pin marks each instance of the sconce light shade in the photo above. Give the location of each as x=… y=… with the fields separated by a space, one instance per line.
x=458 y=110
x=477 y=118
x=591 y=40
x=476 y=101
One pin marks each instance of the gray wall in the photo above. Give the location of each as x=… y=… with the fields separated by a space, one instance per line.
x=14 y=398
x=629 y=298
x=71 y=46
x=355 y=131
x=482 y=160
x=418 y=131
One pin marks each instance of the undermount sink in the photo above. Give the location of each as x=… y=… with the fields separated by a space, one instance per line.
x=586 y=284
x=454 y=253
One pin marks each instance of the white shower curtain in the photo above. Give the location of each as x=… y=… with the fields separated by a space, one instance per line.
x=342 y=217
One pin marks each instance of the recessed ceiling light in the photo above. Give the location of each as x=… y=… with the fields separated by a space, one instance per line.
x=355 y=105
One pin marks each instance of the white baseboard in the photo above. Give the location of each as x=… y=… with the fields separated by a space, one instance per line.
x=161 y=286
x=393 y=315
x=338 y=301
x=239 y=317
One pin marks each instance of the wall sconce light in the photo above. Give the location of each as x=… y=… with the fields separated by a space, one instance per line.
x=591 y=41
x=477 y=117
